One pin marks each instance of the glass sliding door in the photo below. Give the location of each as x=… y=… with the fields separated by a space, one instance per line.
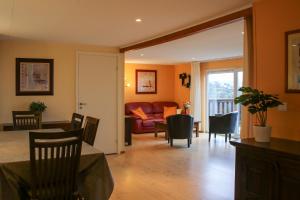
x=222 y=88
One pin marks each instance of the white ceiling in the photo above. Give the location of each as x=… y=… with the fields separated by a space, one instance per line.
x=105 y=22
x=217 y=43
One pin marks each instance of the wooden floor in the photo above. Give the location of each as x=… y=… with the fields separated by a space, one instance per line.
x=152 y=170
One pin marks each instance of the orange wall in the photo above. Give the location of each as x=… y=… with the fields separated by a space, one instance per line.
x=210 y=66
x=165 y=83
x=272 y=18
x=181 y=93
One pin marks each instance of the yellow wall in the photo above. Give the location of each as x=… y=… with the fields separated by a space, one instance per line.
x=165 y=83
x=62 y=104
x=205 y=67
x=272 y=18
x=181 y=93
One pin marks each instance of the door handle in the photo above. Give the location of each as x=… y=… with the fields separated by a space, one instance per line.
x=82 y=104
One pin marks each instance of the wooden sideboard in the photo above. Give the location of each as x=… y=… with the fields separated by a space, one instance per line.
x=45 y=125
x=266 y=171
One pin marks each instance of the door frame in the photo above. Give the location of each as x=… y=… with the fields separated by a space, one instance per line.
x=119 y=90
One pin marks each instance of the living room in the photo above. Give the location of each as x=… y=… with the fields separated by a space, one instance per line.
x=171 y=65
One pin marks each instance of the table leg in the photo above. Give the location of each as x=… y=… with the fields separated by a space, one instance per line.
x=155 y=131
x=166 y=135
x=197 y=129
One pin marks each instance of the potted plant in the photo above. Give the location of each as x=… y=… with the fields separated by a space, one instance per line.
x=258 y=104
x=38 y=107
x=186 y=107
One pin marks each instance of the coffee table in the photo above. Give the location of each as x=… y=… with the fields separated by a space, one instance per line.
x=162 y=126
x=196 y=126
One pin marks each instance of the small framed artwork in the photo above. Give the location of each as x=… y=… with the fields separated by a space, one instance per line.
x=146 y=81
x=34 y=76
x=292 y=57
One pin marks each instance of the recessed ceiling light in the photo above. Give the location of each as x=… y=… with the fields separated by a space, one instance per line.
x=138 y=20
x=141 y=54
x=193 y=58
x=243 y=32
x=294 y=45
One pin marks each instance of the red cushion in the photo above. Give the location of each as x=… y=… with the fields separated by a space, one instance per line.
x=158 y=107
x=150 y=122
x=155 y=116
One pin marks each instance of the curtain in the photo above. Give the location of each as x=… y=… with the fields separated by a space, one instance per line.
x=195 y=92
x=248 y=74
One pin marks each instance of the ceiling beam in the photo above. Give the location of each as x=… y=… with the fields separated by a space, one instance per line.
x=191 y=30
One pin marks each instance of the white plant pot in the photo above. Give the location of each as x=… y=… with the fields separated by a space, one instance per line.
x=262 y=133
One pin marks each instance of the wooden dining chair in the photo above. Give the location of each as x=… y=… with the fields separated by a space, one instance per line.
x=54 y=163
x=90 y=130
x=77 y=121
x=26 y=120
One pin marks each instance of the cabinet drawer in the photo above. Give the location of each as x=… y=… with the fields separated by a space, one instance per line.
x=288 y=179
x=255 y=178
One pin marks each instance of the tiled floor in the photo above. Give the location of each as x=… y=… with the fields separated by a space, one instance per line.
x=151 y=169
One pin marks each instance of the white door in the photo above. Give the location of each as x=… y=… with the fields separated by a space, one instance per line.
x=97 y=95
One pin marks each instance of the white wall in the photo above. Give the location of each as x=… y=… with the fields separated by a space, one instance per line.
x=62 y=104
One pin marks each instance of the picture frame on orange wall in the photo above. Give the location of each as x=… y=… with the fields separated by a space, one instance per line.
x=146 y=81
x=292 y=59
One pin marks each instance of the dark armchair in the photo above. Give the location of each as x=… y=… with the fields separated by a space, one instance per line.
x=180 y=127
x=223 y=124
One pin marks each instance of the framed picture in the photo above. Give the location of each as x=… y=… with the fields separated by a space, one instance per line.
x=292 y=45
x=146 y=81
x=34 y=76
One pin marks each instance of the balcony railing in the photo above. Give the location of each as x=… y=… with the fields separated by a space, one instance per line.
x=222 y=106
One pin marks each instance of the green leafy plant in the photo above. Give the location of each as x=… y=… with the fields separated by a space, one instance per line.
x=257 y=103
x=38 y=107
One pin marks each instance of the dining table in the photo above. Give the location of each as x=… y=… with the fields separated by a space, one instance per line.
x=95 y=181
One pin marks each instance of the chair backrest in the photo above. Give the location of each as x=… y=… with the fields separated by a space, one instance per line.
x=223 y=123
x=180 y=126
x=77 y=121
x=54 y=162
x=25 y=120
x=90 y=130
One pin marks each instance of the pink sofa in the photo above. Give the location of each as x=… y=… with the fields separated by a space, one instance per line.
x=154 y=111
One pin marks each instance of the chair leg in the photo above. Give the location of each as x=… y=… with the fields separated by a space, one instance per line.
x=189 y=142
x=209 y=134
x=225 y=137
x=229 y=136
x=215 y=135
x=171 y=142
x=166 y=134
